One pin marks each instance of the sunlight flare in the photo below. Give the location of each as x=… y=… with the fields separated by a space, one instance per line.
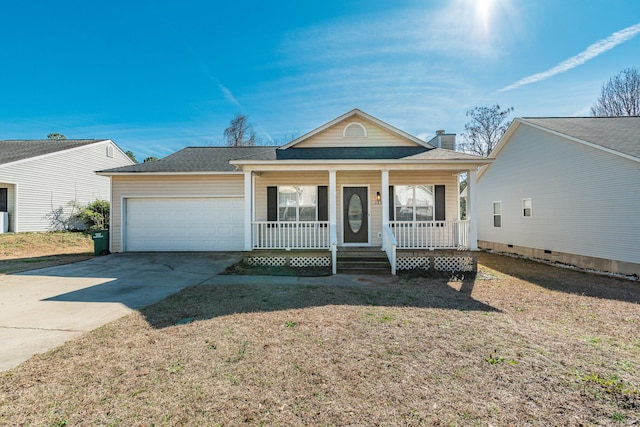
x=483 y=13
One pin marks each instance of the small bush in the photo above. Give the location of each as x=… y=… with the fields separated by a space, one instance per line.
x=95 y=215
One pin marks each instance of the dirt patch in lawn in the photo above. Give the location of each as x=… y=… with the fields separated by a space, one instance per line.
x=29 y=251
x=242 y=268
x=521 y=344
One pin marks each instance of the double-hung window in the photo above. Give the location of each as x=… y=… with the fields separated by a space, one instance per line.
x=497 y=214
x=297 y=203
x=414 y=202
x=526 y=208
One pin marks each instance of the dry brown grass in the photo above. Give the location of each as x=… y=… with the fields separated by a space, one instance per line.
x=523 y=344
x=28 y=251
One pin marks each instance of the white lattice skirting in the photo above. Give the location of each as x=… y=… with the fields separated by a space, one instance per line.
x=447 y=263
x=310 y=261
x=267 y=261
x=413 y=263
x=294 y=261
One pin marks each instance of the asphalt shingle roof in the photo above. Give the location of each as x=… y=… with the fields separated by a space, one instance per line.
x=201 y=159
x=621 y=134
x=14 y=150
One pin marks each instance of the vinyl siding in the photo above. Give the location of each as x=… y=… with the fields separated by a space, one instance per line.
x=167 y=186
x=352 y=179
x=376 y=137
x=584 y=201
x=44 y=184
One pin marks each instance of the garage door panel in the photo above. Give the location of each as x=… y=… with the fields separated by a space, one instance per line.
x=189 y=224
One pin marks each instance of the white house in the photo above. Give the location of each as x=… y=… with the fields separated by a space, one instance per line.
x=354 y=182
x=565 y=190
x=38 y=178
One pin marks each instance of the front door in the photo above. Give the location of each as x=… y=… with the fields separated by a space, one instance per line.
x=355 y=217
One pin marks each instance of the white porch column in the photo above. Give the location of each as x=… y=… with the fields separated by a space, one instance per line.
x=472 y=213
x=248 y=210
x=385 y=197
x=333 y=203
x=333 y=218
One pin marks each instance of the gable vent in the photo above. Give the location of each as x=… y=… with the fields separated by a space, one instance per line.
x=354 y=130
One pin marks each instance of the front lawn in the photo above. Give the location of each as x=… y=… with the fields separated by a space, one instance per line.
x=29 y=251
x=521 y=344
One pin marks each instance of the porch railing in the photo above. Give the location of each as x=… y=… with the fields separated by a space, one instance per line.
x=431 y=234
x=333 y=237
x=290 y=235
x=389 y=245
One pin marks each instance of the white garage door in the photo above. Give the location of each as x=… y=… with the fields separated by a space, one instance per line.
x=189 y=224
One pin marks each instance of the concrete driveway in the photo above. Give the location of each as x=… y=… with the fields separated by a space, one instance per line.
x=42 y=309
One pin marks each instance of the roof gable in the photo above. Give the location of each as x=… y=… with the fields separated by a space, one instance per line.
x=619 y=134
x=356 y=129
x=16 y=150
x=615 y=135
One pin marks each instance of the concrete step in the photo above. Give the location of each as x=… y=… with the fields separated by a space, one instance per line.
x=363 y=261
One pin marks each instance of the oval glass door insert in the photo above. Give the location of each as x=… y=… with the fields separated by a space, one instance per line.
x=355 y=213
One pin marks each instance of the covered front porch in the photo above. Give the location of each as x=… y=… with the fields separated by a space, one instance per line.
x=410 y=214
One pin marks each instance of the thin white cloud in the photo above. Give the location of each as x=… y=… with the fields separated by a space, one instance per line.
x=226 y=92
x=232 y=99
x=591 y=52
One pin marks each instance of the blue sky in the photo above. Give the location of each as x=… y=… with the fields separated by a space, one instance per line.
x=156 y=76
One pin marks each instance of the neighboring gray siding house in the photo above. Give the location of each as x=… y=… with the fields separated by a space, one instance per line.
x=355 y=182
x=40 y=177
x=565 y=190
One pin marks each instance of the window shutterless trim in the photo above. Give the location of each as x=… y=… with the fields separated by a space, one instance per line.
x=495 y=215
x=525 y=208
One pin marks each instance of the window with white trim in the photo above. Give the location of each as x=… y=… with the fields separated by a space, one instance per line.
x=414 y=202
x=526 y=208
x=297 y=203
x=497 y=214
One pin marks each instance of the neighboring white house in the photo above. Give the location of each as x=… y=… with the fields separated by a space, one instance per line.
x=565 y=190
x=355 y=181
x=39 y=178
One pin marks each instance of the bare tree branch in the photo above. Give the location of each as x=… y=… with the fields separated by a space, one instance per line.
x=620 y=96
x=485 y=129
x=240 y=132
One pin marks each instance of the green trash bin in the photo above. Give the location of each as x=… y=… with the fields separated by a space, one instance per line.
x=100 y=242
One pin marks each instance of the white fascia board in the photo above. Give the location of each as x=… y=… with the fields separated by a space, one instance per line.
x=43 y=156
x=338 y=162
x=361 y=166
